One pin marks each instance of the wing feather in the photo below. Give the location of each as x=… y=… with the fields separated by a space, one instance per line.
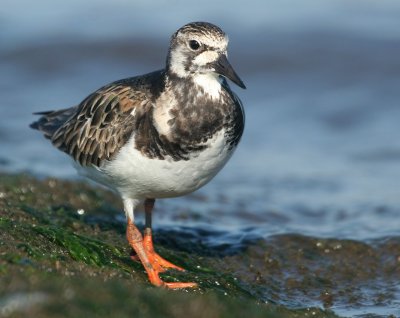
x=105 y=127
x=97 y=128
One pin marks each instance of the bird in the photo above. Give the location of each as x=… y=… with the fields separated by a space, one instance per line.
x=160 y=135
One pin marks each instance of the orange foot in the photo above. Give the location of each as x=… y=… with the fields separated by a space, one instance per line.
x=152 y=262
x=157 y=261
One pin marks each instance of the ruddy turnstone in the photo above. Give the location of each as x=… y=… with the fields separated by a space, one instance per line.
x=159 y=135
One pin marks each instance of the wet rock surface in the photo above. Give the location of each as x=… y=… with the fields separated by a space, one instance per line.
x=63 y=253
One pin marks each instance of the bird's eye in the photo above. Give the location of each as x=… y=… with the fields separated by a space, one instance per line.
x=194 y=45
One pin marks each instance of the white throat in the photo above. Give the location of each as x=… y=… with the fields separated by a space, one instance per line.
x=210 y=84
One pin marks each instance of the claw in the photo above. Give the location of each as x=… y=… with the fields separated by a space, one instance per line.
x=180 y=285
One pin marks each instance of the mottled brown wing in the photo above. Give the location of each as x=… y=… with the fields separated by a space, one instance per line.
x=102 y=124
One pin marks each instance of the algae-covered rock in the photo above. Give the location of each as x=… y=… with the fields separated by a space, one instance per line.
x=63 y=254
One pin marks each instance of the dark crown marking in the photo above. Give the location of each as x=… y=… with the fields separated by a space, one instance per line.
x=201 y=29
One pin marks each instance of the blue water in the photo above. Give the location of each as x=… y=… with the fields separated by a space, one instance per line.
x=321 y=150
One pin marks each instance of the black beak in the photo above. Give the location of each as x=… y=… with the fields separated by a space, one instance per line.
x=222 y=67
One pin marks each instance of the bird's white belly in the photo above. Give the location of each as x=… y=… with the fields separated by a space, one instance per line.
x=136 y=176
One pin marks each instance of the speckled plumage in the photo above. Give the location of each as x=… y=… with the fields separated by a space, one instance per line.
x=169 y=115
x=162 y=134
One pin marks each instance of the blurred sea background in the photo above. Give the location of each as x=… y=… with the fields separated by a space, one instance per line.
x=321 y=151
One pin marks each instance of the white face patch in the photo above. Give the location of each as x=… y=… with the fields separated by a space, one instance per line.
x=205 y=57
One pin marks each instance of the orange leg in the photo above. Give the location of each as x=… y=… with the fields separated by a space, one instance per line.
x=148 y=239
x=152 y=262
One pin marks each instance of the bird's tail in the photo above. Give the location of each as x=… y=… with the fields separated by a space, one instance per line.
x=50 y=121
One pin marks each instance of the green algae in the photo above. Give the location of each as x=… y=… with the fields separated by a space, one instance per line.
x=81 y=248
x=74 y=265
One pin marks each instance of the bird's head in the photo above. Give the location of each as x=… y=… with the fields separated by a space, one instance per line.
x=199 y=50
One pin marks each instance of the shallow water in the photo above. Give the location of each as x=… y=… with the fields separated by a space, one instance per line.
x=321 y=150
